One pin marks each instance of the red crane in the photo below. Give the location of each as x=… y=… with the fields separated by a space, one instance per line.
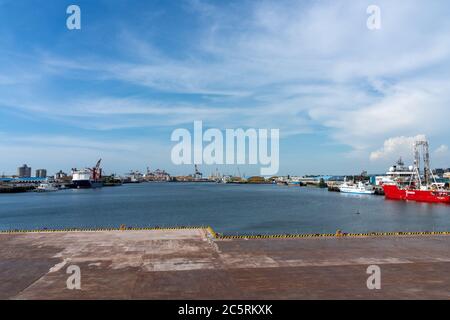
x=97 y=171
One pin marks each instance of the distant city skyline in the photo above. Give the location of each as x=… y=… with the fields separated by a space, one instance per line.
x=345 y=98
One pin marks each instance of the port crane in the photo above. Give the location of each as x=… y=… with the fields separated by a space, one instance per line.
x=97 y=171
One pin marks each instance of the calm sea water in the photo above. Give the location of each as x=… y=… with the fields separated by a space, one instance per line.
x=229 y=209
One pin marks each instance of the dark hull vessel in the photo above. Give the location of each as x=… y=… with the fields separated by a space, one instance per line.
x=86 y=184
x=87 y=178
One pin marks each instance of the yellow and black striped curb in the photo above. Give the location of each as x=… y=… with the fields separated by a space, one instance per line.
x=333 y=235
x=102 y=229
x=215 y=235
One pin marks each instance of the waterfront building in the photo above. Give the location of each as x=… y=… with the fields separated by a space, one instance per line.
x=134 y=177
x=183 y=178
x=439 y=172
x=24 y=171
x=60 y=175
x=157 y=175
x=41 y=173
x=22 y=181
x=256 y=180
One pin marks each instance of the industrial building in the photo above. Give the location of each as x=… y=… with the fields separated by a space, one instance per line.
x=24 y=171
x=60 y=175
x=41 y=173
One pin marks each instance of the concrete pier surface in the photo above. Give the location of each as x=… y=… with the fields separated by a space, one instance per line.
x=191 y=264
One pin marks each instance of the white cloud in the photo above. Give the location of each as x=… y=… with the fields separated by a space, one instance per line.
x=405 y=109
x=299 y=66
x=396 y=147
x=442 y=149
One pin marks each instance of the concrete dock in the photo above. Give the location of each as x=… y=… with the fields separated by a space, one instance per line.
x=191 y=264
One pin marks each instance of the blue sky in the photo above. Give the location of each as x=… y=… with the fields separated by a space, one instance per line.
x=344 y=97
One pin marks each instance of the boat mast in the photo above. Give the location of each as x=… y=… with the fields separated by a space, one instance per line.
x=417 y=161
x=427 y=173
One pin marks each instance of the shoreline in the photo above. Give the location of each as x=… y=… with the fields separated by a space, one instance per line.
x=219 y=236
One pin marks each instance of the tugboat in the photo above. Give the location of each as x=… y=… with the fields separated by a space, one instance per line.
x=87 y=178
x=422 y=188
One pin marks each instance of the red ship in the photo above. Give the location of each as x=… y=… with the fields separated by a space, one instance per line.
x=393 y=191
x=423 y=188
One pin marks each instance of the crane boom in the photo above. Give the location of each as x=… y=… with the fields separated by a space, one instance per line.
x=98 y=164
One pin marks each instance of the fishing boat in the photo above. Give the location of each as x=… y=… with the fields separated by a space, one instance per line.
x=422 y=186
x=359 y=188
x=47 y=187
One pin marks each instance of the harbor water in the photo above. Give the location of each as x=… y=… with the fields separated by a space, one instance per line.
x=228 y=208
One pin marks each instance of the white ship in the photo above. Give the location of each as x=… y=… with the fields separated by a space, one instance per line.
x=47 y=187
x=398 y=173
x=87 y=178
x=359 y=188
